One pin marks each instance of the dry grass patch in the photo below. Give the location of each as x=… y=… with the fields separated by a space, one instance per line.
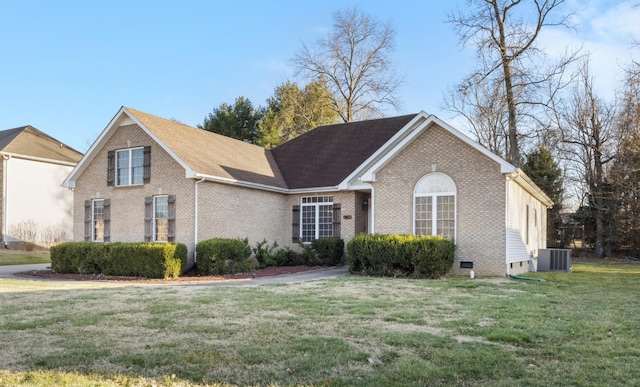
x=342 y=331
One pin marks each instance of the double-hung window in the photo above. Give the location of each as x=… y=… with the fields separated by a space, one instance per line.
x=161 y=218
x=97 y=220
x=435 y=206
x=129 y=166
x=317 y=218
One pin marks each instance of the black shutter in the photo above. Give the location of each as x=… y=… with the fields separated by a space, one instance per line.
x=172 y=218
x=111 y=168
x=146 y=177
x=107 y=220
x=87 y=220
x=148 y=218
x=295 y=224
x=336 y=220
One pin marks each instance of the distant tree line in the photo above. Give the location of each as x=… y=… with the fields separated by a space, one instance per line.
x=542 y=116
x=349 y=76
x=548 y=119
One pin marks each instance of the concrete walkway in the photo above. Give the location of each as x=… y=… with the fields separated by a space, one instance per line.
x=9 y=271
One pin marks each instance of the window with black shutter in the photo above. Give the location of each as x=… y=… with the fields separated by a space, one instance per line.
x=172 y=218
x=147 y=165
x=106 y=219
x=111 y=168
x=160 y=218
x=148 y=218
x=295 y=224
x=318 y=217
x=336 y=220
x=87 y=221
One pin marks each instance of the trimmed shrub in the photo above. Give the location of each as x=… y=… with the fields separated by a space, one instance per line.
x=400 y=255
x=78 y=257
x=329 y=251
x=285 y=257
x=224 y=256
x=265 y=254
x=150 y=260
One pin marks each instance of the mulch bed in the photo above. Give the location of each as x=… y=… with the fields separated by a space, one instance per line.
x=192 y=276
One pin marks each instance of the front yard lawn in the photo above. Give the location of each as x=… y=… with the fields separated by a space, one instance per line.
x=574 y=329
x=21 y=257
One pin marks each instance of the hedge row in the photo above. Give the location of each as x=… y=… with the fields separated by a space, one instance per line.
x=150 y=260
x=400 y=255
x=224 y=256
x=321 y=252
x=228 y=256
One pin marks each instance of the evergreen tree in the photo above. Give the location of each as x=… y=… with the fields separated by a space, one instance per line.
x=292 y=111
x=239 y=121
x=544 y=171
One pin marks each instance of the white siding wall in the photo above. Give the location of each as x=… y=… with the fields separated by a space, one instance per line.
x=526 y=227
x=34 y=192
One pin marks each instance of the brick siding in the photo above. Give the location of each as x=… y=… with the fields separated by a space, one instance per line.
x=127 y=203
x=480 y=196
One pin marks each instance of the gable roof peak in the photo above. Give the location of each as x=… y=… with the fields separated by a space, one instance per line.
x=327 y=155
x=32 y=143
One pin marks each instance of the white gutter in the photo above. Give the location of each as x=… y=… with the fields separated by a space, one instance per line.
x=195 y=216
x=532 y=188
x=40 y=159
x=5 y=225
x=264 y=187
x=372 y=206
x=510 y=176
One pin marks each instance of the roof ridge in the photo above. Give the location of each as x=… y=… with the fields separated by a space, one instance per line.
x=48 y=137
x=189 y=127
x=213 y=154
x=8 y=135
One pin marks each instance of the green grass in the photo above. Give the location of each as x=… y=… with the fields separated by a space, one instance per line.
x=18 y=257
x=574 y=329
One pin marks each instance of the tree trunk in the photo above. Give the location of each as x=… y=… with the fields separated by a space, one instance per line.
x=514 y=151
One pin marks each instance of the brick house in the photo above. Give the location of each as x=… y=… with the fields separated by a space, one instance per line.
x=148 y=178
x=33 y=165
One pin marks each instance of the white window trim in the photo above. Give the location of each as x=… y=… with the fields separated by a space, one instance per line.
x=129 y=167
x=317 y=215
x=93 y=220
x=155 y=223
x=434 y=206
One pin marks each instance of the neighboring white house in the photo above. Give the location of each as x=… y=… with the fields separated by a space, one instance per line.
x=33 y=167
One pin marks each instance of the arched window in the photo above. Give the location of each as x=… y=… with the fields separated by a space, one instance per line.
x=434 y=200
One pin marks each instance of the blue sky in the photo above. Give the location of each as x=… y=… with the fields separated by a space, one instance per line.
x=66 y=67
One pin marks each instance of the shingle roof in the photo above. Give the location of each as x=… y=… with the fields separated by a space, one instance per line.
x=322 y=157
x=212 y=154
x=326 y=155
x=29 y=141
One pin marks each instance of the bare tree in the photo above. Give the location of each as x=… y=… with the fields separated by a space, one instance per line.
x=507 y=53
x=483 y=107
x=588 y=131
x=25 y=231
x=624 y=175
x=355 y=60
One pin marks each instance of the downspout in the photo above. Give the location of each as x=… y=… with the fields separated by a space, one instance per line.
x=372 y=206
x=5 y=206
x=510 y=177
x=195 y=217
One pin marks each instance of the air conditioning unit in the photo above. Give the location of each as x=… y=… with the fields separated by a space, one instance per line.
x=554 y=260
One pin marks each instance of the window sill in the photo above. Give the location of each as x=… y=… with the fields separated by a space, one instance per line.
x=129 y=186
